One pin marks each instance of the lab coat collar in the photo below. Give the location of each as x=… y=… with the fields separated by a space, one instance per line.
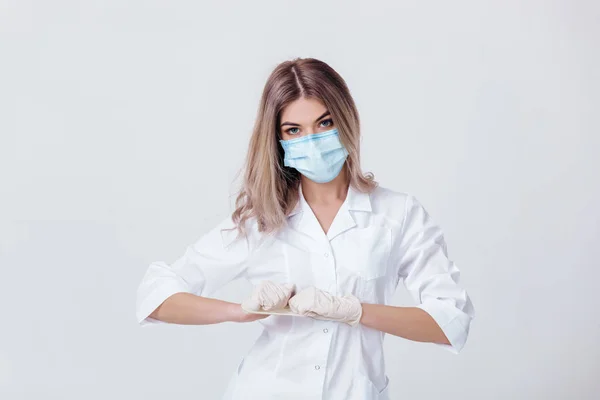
x=308 y=223
x=358 y=201
x=355 y=200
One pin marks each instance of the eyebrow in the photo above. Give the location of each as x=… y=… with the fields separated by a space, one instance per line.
x=326 y=113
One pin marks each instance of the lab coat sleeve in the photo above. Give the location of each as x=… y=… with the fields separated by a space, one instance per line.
x=431 y=277
x=213 y=260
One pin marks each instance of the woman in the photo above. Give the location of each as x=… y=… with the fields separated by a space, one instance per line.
x=317 y=236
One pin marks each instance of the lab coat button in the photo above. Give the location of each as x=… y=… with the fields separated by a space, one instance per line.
x=325 y=330
x=326 y=255
x=317 y=367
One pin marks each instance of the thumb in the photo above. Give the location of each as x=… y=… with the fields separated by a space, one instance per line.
x=251 y=303
x=289 y=288
x=293 y=303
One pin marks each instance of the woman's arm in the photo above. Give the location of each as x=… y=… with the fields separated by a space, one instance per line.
x=444 y=311
x=183 y=289
x=408 y=322
x=189 y=309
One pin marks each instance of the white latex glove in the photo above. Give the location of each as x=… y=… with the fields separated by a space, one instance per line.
x=269 y=295
x=322 y=305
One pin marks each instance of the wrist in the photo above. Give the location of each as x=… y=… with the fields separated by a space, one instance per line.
x=233 y=312
x=357 y=307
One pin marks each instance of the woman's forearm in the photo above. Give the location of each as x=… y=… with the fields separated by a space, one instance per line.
x=189 y=309
x=408 y=322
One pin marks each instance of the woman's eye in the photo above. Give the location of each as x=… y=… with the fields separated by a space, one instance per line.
x=329 y=121
x=289 y=131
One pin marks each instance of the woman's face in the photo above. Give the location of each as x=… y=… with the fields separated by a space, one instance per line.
x=304 y=117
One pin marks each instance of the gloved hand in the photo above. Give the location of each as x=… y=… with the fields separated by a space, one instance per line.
x=269 y=295
x=322 y=305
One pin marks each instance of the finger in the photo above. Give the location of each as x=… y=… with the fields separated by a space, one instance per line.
x=279 y=292
x=295 y=305
x=251 y=303
x=300 y=305
x=267 y=302
x=289 y=289
x=275 y=296
x=264 y=294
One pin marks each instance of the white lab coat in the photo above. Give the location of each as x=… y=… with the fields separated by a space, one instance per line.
x=375 y=241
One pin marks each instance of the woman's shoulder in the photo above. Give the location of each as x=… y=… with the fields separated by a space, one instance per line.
x=384 y=198
x=395 y=204
x=227 y=231
x=385 y=194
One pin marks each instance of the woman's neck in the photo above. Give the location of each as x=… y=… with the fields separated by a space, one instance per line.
x=326 y=193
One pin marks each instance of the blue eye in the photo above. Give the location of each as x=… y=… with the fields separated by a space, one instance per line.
x=328 y=120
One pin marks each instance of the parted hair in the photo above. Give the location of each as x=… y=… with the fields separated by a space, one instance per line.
x=269 y=190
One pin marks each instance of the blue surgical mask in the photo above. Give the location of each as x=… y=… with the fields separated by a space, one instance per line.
x=319 y=157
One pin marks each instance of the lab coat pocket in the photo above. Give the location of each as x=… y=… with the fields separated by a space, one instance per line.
x=240 y=365
x=366 y=252
x=233 y=384
x=384 y=394
x=371 y=391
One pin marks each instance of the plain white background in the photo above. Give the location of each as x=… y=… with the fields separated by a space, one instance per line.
x=123 y=125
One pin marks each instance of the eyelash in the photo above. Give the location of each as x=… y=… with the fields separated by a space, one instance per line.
x=325 y=120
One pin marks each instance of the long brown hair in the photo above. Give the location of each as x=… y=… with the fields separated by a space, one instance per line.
x=270 y=190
